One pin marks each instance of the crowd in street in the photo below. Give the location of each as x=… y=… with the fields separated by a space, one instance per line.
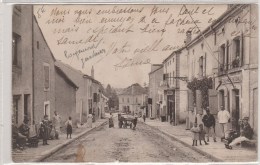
x=201 y=133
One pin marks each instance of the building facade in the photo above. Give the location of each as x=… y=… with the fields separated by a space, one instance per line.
x=224 y=56
x=133 y=100
x=174 y=87
x=155 y=78
x=22 y=67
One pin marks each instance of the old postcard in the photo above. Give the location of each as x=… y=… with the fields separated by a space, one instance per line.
x=134 y=83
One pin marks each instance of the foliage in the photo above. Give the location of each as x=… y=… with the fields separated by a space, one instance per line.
x=113 y=101
x=203 y=85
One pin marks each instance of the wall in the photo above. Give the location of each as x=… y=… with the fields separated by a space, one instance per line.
x=65 y=101
x=42 y=55
x=22 y=74
x=154 y=82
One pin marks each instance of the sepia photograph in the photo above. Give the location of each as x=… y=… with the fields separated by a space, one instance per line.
x=104 y=83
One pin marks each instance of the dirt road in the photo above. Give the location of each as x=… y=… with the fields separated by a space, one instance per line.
x=144 y=144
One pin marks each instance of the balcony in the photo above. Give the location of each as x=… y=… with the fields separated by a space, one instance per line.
x=234 y=66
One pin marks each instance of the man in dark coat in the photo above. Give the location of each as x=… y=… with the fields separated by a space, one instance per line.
x=209 y=123
x=45 y=127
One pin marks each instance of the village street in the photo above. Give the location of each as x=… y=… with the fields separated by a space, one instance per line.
x=144 y=144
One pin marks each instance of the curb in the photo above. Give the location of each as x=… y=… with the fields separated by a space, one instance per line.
x=60 y=146
x=187 y=145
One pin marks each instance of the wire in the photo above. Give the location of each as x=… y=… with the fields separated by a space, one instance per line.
x=211 y=52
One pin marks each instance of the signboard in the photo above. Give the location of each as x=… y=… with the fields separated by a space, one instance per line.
x=169 y=92
x=234 y=79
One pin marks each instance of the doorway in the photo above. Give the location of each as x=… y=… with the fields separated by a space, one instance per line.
x=235 y=110
x=171 y=108
x=47 y=110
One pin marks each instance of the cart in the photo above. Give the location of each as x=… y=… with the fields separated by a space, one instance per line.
x=125 y=121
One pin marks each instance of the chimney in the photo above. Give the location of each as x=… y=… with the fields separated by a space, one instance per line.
x=188 y=37
x=92 y=72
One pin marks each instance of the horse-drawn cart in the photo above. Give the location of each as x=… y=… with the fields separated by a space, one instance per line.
x=125 y=120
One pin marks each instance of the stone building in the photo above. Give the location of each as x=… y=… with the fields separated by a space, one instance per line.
x=22 y=67
x=174 y=87
x=132 y=99
x=155 y=78
x=225 y=56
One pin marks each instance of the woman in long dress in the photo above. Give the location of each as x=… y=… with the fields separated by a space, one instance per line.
x=89 y=121
x=110 y=121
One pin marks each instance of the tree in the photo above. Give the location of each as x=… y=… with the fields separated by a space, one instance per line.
x=108 y=90
x=113 y=98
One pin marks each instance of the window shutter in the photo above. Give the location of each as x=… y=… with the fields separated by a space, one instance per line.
x=213 y=101
x=241 y=49
x=198 y=102
x=46 y=77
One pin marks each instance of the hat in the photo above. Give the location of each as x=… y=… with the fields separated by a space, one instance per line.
x=246 y=118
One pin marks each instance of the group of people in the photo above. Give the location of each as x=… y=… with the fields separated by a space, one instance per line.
x=49 y=129
x=201 y=133
x=122 y=121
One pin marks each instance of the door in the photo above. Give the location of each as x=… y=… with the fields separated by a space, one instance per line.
x=27 y=112
x=47 y=109
x=235 y=110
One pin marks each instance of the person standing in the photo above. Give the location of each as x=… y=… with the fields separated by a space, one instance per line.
x=223 y=119
x=110 y=121
x=56 y=124
x=135 y=120
x=89 y=121
x=144 y=117
x=69 y=127
x=45 y=130
x=209 y=123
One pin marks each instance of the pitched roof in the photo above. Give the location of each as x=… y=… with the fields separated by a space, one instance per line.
x=66 y=78
x=134 y=89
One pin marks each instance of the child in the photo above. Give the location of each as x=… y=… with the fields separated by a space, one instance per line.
x=195 y=131
x=202 y=134
x=69 y=127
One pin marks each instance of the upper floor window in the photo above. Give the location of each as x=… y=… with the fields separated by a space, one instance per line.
x=122 y=99
x=222 y=53
x=46 y=72
x=16 y=47
x=136 y=100
x=237 y=49
x=201 y=66
x=128 y=100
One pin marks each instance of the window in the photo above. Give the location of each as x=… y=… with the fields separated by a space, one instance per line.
x=221 y=98
x=16 y=46
x=237 y=55
x=136 y=100
x=201 y=66
x=46 y=71
x=128 y=100
x=173 y=78
x=222 y=58
x=227 y=56
x=38 y=45
x=122 y=99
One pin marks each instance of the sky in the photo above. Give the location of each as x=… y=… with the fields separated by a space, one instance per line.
x=120 y=41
